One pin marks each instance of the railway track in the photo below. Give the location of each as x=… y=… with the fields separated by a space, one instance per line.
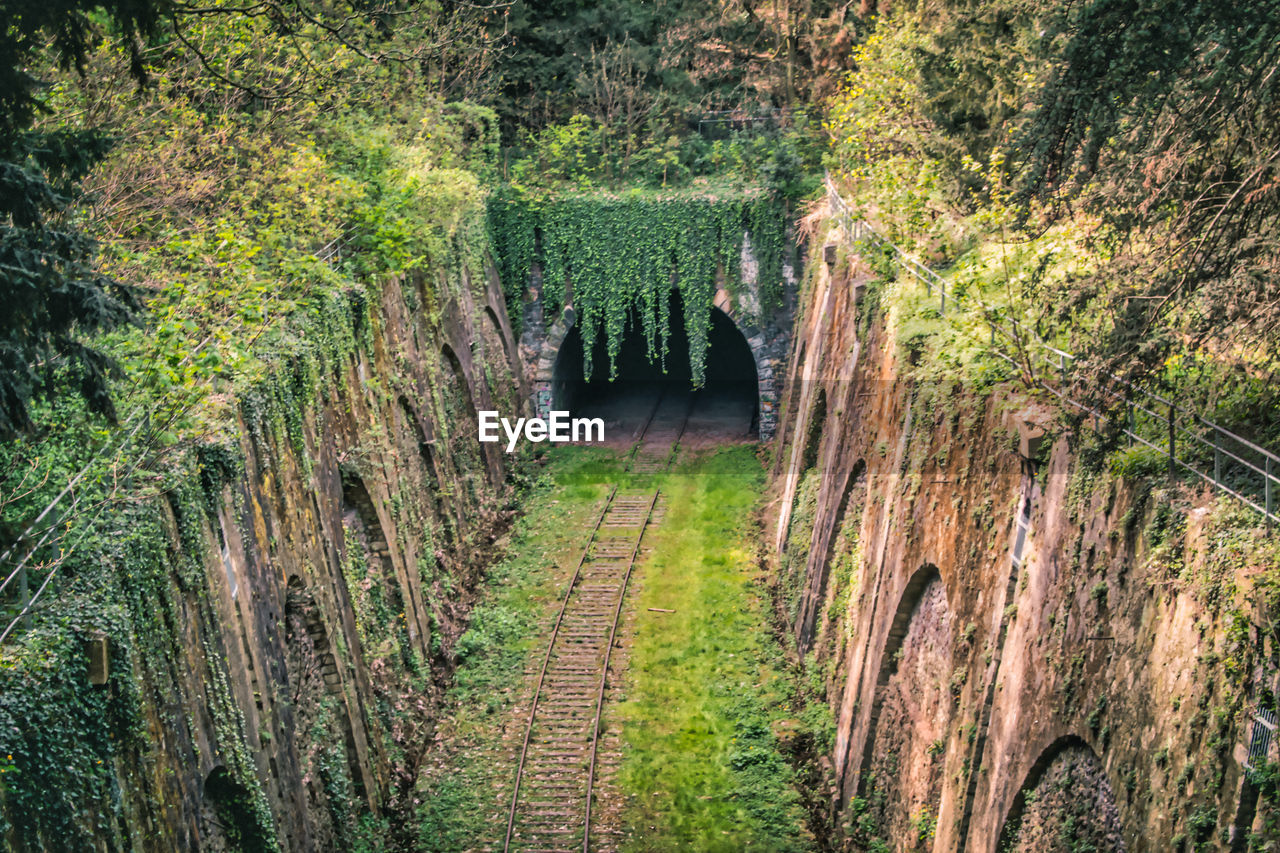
x=562 y=758
x=657 y=443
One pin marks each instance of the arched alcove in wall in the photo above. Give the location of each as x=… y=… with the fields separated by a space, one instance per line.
x=377 y=596
x=426 y=454
x=227 y=816
x=416 y=429
x=902 y=761
x=441 y=508
x=1065 y=804
x=315 y=693
x=458 y=422
x=458 y=395
x=306 y=633
x=495 y=330
x=829 y=541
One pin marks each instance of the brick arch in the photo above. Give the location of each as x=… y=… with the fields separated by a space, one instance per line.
x=766 y=389
x=914 y=674
x=1092 y=817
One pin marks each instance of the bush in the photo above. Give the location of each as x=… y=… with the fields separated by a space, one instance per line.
x=1139 y=462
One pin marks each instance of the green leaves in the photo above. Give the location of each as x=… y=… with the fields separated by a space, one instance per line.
x=616 y=258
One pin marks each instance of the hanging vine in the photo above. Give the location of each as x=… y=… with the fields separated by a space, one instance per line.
x=510 y=222
x=616 y=259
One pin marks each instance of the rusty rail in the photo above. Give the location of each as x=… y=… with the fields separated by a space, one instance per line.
x=552 y=829
x=546 y=659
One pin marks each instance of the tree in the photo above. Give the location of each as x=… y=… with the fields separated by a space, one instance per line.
x=1163 y=118
x=53 y=297
x=55 y=300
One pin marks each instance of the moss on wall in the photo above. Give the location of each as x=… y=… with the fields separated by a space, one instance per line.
x=307 y=562
x=1135 y=620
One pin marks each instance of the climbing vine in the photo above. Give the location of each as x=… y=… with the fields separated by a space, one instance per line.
x=615 y=259
x=65 y=742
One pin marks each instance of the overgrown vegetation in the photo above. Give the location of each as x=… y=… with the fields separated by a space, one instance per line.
x=462 y=790
x=226 y=212
x=616 y=259
x=200 y=94
x=256 y=205
x=1067 y=193
x=707 y=693
x=657 y=93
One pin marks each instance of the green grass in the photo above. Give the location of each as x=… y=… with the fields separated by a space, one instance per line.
x=464 y=788
x=705 y=691
x=702 y=770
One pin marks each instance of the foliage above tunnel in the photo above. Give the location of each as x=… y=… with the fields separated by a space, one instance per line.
x=615 y=259
x=644 y=71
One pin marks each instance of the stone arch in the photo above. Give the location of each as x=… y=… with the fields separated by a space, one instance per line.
x=314 y=676
x=458 y=375
x=765 y=361
x=426 y=453
x=496 y=326
x=458 y=395
x=379 y=603
x=360 y=514
x=420 y=431
x=818 y=570
x=544 y=373
x=902 y=761
x=1065 y=803
x=228 y=821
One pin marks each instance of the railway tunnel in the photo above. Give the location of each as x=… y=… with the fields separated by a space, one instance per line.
x=644 y=384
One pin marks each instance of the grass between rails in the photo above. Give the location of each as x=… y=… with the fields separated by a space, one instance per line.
x=464 y=788
x=701 y=768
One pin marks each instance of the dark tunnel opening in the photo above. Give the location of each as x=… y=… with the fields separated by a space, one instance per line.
x=727 y=404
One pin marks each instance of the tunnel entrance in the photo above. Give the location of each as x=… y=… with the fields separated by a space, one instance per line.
x=727 y=406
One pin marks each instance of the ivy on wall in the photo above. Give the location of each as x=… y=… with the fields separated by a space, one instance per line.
x=615 y=258
x=65 y=743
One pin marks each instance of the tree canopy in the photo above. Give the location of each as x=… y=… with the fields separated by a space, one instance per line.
x=53 y=295
x=1144 y=133
x=1163 y=118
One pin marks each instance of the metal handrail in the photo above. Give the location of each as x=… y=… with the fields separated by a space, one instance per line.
x=1173 y=418
x=744 y=118
x=331 y=252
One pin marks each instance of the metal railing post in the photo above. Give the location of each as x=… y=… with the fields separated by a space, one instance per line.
x=1266 y=487
x=24 y=597
x=1217 y=458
